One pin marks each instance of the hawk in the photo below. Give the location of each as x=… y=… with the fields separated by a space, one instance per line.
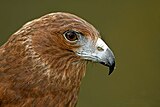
x=43 y=63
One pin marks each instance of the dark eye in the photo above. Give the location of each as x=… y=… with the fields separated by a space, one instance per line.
x=71 y=36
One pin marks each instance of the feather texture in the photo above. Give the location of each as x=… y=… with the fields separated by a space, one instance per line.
x=36 y=68
x=39 y=68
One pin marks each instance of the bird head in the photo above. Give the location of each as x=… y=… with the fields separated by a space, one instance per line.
x=72 y=37
x=46 y=59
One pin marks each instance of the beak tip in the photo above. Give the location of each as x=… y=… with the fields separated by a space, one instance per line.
x=111 y=68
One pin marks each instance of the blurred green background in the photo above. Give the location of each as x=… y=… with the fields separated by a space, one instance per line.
x=132 y=30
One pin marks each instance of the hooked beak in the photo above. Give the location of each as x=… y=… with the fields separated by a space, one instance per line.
x=99 y=53
x=110 y=61
x=105 y=55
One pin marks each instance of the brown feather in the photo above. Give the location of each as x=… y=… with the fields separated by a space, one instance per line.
x=36 y=68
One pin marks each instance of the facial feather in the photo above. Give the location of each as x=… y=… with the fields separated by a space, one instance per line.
x=40 y=65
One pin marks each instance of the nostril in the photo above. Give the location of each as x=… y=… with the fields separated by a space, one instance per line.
x=100 y=48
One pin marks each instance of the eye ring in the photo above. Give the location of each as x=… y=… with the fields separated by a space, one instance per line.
x=71 y=36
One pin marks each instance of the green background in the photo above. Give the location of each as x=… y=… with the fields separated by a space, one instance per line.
x=132 y=30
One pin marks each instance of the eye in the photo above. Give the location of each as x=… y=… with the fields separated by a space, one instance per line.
x=71 y=36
